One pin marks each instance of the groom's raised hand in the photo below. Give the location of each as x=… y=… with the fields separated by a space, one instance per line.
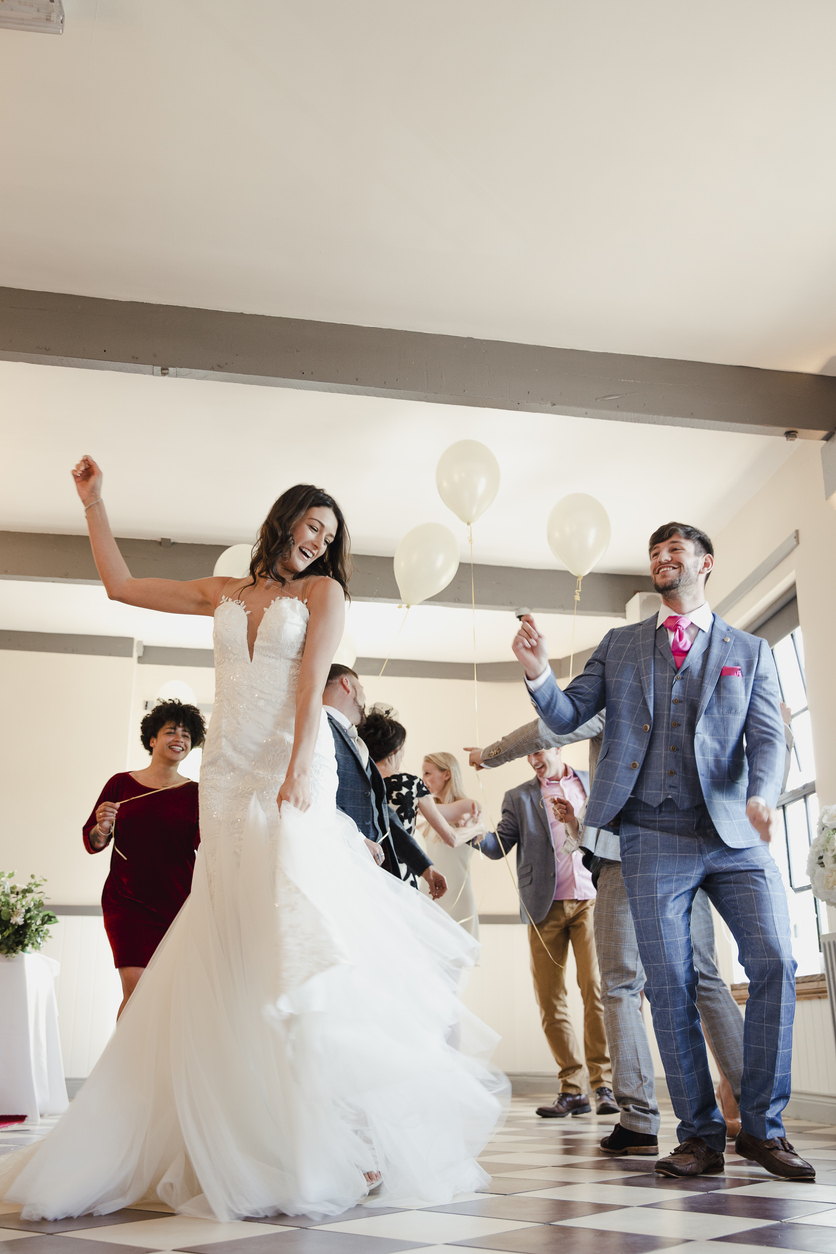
x=530 y=648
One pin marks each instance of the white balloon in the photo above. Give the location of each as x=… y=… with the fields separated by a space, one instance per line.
x=578 y=532
x=426 y=560
x=176 y=690
x=234 y=563
x=467 y=478
x=346 y=654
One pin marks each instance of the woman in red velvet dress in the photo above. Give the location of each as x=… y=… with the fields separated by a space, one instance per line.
x=152 y=817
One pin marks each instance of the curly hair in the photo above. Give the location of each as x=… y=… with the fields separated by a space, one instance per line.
x=174 y=711
x=382 y=734
x=275 y=538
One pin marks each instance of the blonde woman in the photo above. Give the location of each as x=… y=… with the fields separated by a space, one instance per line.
x=443 y=777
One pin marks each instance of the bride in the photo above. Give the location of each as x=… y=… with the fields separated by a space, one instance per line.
x=297 y=1038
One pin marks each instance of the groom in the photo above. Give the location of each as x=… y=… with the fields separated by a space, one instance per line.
x=689 y=772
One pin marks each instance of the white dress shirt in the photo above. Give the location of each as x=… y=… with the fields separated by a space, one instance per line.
x=701 y=620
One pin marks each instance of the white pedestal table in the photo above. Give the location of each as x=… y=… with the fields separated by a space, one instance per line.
x=31 y=1067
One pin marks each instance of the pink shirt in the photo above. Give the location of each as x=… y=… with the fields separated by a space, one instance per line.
x=572 y=881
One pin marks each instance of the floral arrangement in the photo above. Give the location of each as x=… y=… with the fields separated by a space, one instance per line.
x=821 y=864
x=24 y=921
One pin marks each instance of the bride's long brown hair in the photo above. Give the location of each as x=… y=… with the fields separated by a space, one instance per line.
x=275 y=538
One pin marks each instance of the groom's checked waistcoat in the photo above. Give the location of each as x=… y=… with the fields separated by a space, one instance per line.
x=670 y=769
x=730 y=741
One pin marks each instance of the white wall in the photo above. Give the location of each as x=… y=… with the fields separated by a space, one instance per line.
x=64 y=732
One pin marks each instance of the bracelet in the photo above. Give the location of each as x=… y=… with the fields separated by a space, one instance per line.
x=97 y=501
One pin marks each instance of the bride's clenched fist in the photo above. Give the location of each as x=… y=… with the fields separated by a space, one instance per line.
x=88 y=480
x=296 y=791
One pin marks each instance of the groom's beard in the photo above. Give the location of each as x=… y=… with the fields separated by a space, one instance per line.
x=686 y=579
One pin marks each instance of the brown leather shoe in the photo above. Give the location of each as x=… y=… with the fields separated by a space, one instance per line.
x=605 y=1103
x=692 y=1158
x=566 y=1104
x=776 y=1155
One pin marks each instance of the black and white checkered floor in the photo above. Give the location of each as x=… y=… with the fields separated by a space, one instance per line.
x=552 y=1189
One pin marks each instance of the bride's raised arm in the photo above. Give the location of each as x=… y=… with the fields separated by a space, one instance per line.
x=175 y=596
x=326 y=622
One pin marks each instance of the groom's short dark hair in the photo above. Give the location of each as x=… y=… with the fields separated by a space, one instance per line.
x=701 y=541
x=337 y=671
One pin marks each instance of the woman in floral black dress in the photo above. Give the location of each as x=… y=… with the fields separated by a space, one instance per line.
x=407 y=794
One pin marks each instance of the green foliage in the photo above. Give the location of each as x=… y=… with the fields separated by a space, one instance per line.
x=24 y=921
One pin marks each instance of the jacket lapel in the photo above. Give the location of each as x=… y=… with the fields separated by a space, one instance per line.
x=719 y=647
x=539 y=806
x=348 y=740
x=647 y=644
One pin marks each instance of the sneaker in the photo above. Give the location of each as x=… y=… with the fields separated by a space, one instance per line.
x=692 y=1158
x=624 y=1141
x=605 y=1103
x=776 y=1155
x=564 y=1104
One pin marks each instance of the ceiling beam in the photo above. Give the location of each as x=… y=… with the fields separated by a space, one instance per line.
x=162 y=655
x=56 y=558
x=55 y=328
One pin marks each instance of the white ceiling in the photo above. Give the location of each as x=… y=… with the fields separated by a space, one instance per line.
x=651 y=177
x=203 y=461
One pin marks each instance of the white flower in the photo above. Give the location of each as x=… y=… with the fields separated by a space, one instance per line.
x=17 y=916
x=821 y=862
x=827 y=819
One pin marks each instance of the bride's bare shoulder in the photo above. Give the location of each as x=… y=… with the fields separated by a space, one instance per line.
x=323 y=593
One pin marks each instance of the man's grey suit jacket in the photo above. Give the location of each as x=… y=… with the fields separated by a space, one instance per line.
x=739 y=742
x=525 y=825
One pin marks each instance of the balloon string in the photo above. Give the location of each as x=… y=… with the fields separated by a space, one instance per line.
x=481 y=788
x=473 y=612
x=397 y=635
x=574 y=621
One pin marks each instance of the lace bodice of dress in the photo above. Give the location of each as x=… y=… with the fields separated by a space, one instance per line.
x=250 y=735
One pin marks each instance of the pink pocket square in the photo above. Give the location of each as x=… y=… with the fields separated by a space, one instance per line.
x=732 y=670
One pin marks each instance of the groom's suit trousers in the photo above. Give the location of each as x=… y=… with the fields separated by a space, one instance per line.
x=622 y=982
x=666 y=855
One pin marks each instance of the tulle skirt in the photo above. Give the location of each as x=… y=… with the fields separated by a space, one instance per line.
x=299 y=1025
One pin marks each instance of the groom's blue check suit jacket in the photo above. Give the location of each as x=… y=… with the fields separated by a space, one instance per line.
x=738 y=743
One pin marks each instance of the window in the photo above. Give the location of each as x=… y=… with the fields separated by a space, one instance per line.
x=799 y=804
x=800 y=809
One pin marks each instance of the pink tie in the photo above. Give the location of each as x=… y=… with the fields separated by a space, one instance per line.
x=680 y=643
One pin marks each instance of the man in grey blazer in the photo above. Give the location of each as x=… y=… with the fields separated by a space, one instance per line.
x=559 y=898
x=689 y=773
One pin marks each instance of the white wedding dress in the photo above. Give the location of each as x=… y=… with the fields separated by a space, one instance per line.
x=300 y=1023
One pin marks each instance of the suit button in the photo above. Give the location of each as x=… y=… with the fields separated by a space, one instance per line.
x=634 y=766
x=673 y=748
x=646 y=727
x=674 y=724
x=671 y=772
x=726 y=639
x=676 y=700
